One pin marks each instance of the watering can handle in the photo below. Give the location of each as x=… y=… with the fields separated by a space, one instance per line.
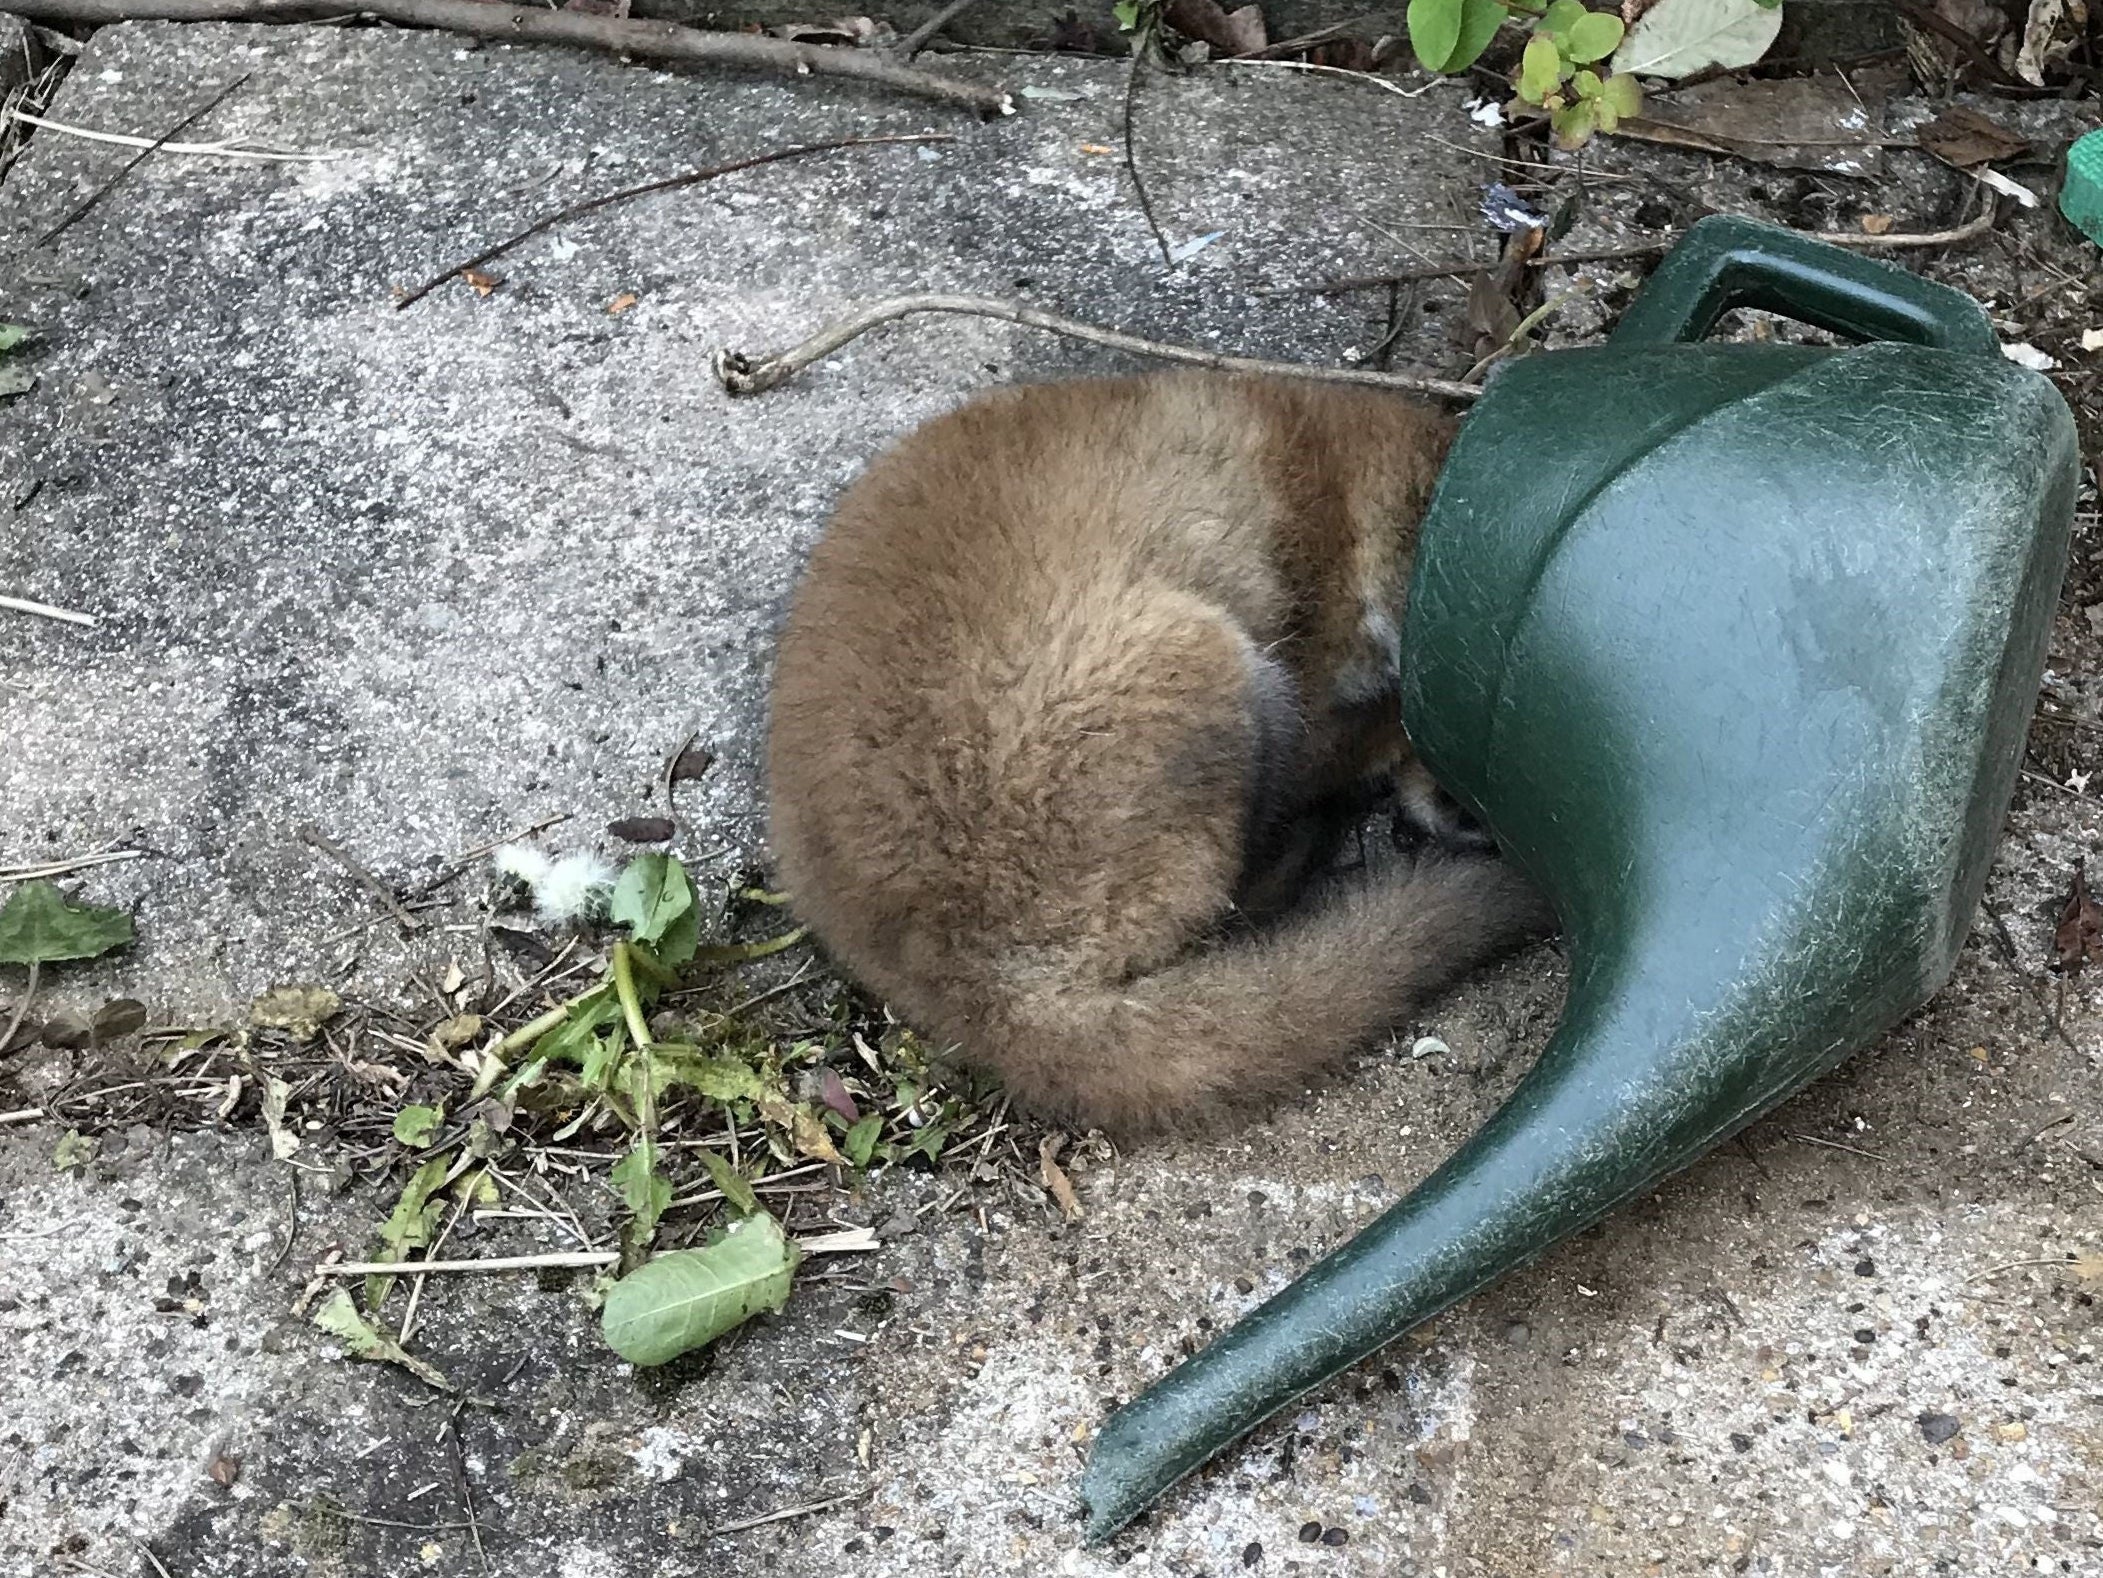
x=1727 y=262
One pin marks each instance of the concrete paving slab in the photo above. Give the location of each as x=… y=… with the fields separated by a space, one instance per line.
x=424 y=576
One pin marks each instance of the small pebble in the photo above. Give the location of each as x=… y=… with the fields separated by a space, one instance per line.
x=1310 y=1531
x=1336 y=1536
x=1252 y=1553
x=1865 y=1267
x=1938 y=1428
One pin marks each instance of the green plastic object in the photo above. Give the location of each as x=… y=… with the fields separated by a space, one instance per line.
x=2081 y=192
x=1734 y=648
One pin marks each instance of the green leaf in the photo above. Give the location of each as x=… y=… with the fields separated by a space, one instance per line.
x=717 y=1078
x=11 y=335
x=645 y=1190
x=927 y=1141
x=572 y=1040
x=339 y=1317
x=74 y=1150
x=732 y=1182
x=602 y=1061
x=409 y=1225
x=1540 y=70
x=1574 y=126
x=1127 y=14
x=652 y=895
x=675 y=949
x=418 y=1126
x=1593 y=36
x=1479 y=21
x=682 y=1300
x=40 y=924
x=1585 y=84
x=1559 y=18
x=1623 y=95
x=861 y=1139
x=1676 y=38
x=1434 y=31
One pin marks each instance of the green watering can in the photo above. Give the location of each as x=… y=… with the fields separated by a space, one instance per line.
x=1734 y=648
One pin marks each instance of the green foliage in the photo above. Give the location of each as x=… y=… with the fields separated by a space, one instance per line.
x=418 y=1126
x=644 y=1190
x=731 y=1182
x=40 y=925
x=410 y=1224
x=679 y=1301
x=1450 y=35
x=655 y=900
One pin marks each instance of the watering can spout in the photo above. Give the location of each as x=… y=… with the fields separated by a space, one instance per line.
x=1742 y=683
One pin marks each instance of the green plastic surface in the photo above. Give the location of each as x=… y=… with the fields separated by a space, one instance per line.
x=2081 y=192
x=1734 y=648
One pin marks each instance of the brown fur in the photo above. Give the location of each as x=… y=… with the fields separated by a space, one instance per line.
x=1083 y=676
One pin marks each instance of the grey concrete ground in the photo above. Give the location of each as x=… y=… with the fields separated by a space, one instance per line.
x=424 y=576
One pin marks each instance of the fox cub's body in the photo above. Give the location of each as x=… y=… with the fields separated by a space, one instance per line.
x=1079 y=689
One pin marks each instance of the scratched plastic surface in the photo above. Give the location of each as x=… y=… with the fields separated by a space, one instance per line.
x=1734 y=647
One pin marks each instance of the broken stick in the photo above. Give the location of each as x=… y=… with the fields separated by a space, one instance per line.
x=612 y=35
x=743 y=375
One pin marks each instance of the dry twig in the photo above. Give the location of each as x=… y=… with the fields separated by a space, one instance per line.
x=916 y=40
x=140 y=158
x=23 y=605
x=742 y=374
x=669 y=184
x=613 y=35
x=311 y=834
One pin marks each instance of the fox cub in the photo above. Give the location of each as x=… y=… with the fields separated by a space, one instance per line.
x=1076 y=699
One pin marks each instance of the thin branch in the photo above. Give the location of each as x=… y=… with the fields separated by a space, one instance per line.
x=916 y=40
x=1412 y=276
x=23 y=605
x=1142 y=47
x=66 y=867
x=614 y=35
x=311 y=834
x=140 y=158
x=742 y=374
x=199 y=150
x=421 y=1268
x=1974 y=227
x=22 y=1115
x=783 y=1515
x=29 y=992
x=669 y=184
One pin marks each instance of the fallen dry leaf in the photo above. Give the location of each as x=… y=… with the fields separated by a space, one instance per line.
x=2092 y=339
x=1055 y=1178
x=479 y=282
x=1791 y=123
x=299 y=1011
x=1965 y=139
x=1877 y=224
x=692 y=763
x=643 y=829
x=2088 y=1265
x=621 y=303
x=2079 y=935
x=1097 y=148
x=223 y=1469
